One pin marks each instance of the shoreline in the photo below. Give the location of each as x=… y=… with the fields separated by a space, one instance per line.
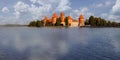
x=56 y=26
x=13 y=25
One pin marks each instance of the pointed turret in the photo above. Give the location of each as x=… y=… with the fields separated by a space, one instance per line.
x=62 y=18
x=54 y=18
x=55 y=15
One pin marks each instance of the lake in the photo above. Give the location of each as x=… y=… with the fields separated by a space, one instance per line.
x=24 y=43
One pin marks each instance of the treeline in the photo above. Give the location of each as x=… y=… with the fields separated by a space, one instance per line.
x=39 y=23
x=99 y=22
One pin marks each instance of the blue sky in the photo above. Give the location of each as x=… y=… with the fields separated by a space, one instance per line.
x=24 y=11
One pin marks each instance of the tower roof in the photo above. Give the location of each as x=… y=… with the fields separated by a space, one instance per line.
x=81 y=16
x=45 y=18
x=62 y=14
x=55 y=15
x=69 y=17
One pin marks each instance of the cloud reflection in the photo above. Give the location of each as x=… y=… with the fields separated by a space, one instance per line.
x=58 y=44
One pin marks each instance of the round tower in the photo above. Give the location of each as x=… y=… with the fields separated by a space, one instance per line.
x=62 y=18
x=69 y=20
x=54 y=18
x=81 y=20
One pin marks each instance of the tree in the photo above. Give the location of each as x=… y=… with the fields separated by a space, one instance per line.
x=32 y=24
x=95 y=21
x=66 y=21
x=109 y=23
x=58 y=22
x=91 y=20
x=39 y=23
x=86 y=22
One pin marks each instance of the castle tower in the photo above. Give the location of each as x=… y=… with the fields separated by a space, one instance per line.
x=81 y=20
x=62 y=18
x=44 y=21
x=54 y=18
x=69 y=20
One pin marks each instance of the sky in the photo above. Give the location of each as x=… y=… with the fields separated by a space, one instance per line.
x=24 y=11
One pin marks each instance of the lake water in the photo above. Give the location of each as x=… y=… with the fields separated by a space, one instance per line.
x=24 y=43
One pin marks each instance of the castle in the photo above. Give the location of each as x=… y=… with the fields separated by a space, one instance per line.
x=71 y=22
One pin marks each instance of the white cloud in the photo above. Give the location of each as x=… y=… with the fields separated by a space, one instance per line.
x=20 y=7
x=116 y=7
x=44 y=2
x=57 y=5
x=85 y=11
x=104 y=15
x=115 y=12
x=24 y=12
x=33 y=1
x=5 y=9
x=7 y=20
x=99 y=5
x=114 y=18
x=40 y=11
x=107 y=3
x=63 y=5
x=45 y=8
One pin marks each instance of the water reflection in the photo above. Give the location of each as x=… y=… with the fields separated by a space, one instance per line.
x=59 y=44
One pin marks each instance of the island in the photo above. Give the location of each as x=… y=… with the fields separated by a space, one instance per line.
x=68 y=21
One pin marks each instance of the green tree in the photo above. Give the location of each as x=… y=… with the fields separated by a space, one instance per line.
x=109 y=23
x=86 y=22
x=39 y=23
x=58 y=22
x=66 y=21
x=32 y=24
x=91 y=20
